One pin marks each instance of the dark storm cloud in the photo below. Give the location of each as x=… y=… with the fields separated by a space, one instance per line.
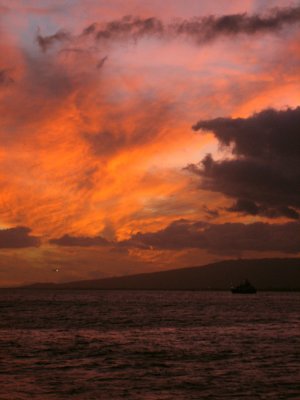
x=45 y=42
x=202 y=29
x=267 y=133
x=226 y=239
x=179 y=234
x=18 y=237
x=245 y=206
x=282 y=211
x=80 y=241
x=199 y=29
x=211 y=213
x=249 y=207
x=264 y=173
x=130 y=26
x=211 y=27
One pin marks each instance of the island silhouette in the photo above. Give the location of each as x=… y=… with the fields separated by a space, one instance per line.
x=265 y=274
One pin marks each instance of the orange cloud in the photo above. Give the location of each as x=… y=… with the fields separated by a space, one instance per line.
x=95 y=136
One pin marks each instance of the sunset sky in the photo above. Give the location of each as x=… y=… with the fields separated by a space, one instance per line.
x=146 y=135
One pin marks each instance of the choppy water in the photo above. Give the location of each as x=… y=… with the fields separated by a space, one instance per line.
x=149 y=345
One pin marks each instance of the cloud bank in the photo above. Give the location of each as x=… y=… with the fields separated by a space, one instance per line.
x=223 y=239
x=263 y=172
x=18 y=237
x=80 y=241
x=199 y=29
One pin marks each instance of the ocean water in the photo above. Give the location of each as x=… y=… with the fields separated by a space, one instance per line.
x=148 y=345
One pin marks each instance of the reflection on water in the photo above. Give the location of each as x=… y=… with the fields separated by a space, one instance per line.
x=149 y=345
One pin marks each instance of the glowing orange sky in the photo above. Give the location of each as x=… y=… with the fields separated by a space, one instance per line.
x=95 y=137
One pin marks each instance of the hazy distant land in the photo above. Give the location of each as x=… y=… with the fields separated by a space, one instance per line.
x=265 y=274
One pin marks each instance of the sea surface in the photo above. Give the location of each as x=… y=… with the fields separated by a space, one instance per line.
x=148 y=345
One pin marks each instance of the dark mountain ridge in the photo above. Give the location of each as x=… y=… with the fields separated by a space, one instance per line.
x=265 y=274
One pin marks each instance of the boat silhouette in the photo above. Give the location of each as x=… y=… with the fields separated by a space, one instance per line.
x=245 y=288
